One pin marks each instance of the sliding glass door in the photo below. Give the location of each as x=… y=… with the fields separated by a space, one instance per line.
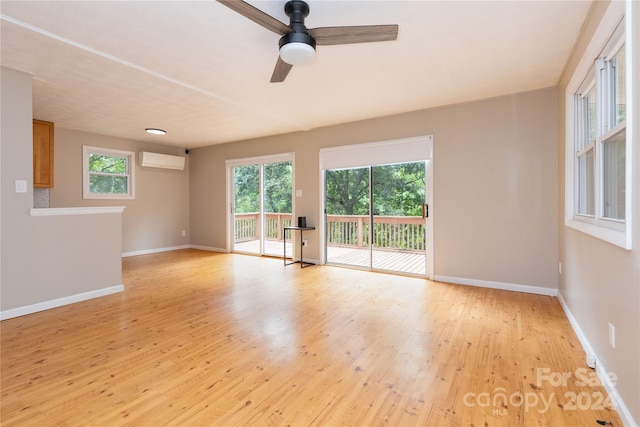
x=376 y=217
x=277 y=206
x=262 y=205
x=398 y=218
x=347 y=208
x=247 y=209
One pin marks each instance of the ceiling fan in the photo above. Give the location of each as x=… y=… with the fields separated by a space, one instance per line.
x=298 y=43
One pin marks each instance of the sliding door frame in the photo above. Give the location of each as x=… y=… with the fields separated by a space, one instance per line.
x=405 y=150
x=229 y=204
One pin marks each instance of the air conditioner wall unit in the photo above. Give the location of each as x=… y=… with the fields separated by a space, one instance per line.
x=163 y=161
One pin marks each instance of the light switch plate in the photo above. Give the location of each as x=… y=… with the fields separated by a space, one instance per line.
x=298 y=193
x=21 y=186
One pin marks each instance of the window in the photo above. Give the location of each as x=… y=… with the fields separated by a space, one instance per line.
x=107 y=174
x=584 y=150
x=598 y=157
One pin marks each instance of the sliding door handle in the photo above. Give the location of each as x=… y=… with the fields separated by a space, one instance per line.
x=425 y=210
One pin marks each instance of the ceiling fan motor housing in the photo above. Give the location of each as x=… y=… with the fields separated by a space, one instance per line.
x=295 y=53
x=294 y=37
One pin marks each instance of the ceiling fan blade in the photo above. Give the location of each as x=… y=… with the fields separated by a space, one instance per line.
x=281 y=71
x=257 y=16
x=359 y=34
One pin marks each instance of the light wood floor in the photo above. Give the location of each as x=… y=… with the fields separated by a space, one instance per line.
x=200 y=338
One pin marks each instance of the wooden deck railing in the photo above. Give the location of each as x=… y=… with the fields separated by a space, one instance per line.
x=390 y=232
x=248 y=226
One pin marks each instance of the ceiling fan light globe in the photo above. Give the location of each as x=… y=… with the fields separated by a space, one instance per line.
x=297 y=53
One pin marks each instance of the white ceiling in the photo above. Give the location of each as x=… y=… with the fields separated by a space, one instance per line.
x=201 y=71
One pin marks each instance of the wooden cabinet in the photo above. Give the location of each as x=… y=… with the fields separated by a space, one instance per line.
x=42 y=154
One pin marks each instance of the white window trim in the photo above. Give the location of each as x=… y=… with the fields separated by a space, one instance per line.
x=618 y=233
x=131 y=163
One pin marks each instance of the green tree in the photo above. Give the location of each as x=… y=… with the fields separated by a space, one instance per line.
x=107 y=174
x=277 y=186
x=398 y=190
x=347 y=191
x=246 y=187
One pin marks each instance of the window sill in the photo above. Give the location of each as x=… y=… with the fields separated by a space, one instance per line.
x=108 y=196
x=618 y=238
x=76 y=211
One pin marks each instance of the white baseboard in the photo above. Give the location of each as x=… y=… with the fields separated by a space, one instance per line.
x=539 y=290
x=154 y=251
x=612 y=391
x=46 y=305
x=586 y=346
x=209 y=248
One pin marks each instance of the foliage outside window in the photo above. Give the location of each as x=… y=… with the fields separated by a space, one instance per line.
x=108 y=174
x=397 y=190
x=277 y=188
x=262 y=189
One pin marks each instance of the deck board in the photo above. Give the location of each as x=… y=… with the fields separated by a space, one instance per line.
x=390 y=260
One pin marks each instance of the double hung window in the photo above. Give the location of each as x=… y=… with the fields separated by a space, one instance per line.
x=598 y=159
x=107 y=173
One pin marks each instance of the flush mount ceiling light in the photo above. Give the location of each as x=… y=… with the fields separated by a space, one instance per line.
x=155 y=131
x=297 y=48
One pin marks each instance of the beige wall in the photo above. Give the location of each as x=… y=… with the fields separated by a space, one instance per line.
x=494 y=207
x=600 y=283
x=155 y=218
x=45 y=258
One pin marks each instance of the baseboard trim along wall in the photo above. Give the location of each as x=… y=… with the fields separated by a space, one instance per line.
x=154 y=251
x=591 y=360
x=539 y=290
x=209 y=248
x=59 y=302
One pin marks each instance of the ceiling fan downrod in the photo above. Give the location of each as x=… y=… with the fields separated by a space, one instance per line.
x=297 y=10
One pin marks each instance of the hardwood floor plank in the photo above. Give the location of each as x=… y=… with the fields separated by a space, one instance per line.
x=200 y=338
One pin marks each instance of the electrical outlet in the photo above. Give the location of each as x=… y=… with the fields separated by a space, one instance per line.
x=184 y=233
x=304 y=243
x=591 y=361
x=612 y=335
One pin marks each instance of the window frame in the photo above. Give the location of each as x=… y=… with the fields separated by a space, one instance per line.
x=595 y=68
x=129 y=156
